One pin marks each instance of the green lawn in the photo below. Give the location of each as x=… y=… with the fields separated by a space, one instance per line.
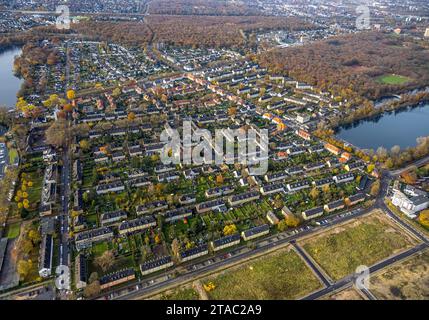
x=281 y=275
x=13 y=230
x=99 y=248
x=393 y=79
x=13 y=156
x=364 y=242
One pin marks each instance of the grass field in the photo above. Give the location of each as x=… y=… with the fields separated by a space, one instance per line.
x=13 y=155
x=406 y=280
x=393 y=79
x=13 y=230
x=362 y=242
x=281 y=275
x=180 y=294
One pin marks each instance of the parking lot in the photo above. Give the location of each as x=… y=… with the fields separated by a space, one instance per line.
x=3 y=158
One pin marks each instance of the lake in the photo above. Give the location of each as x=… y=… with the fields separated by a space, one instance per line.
x=400 y=128
x=9 y=84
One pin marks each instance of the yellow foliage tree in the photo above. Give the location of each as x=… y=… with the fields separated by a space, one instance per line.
x=424 y=218
x=229 y=229
x=71 y=94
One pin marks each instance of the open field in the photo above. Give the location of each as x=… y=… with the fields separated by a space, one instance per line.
x=406 y=280
x=393 y=79
x=361 y=242
x=346 y=294
x=281 y=275
x=179 y=294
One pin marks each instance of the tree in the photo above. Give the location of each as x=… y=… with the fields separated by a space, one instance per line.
x=175 y=247
x=375 y=188
x=370 y=168
x=131 y=116
x=84 y=144
x=71 y=94
x=292 y=221
x=229 y=229
x=424 y=218
x=116 y=92
x=314 y=193
x=92 y=289
x=157 y=239
x=219 y=179
x=24 y=268
x=57 y=133
x=282 y=225
x=232 y=111
x=34 y=236
x=106 y=260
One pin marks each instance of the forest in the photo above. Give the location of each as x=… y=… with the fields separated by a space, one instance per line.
x=201 y=7
x=191 y=31
x=351 y=65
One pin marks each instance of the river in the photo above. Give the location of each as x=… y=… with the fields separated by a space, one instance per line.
x=9 y=84
x=400 y=128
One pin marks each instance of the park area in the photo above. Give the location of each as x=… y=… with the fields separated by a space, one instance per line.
x=277 y=276
x=393 y=79
x=366 y=241
x=408 y=280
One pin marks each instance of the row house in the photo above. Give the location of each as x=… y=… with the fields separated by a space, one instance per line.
x=219 y=191
x=110 y=187
x=174 y=215
x=225 y=242
x=136 y=225
x=112 y=218
x=210 y=206
x=86 y=239
x=156 y=265
x=152 y=207
x=194 y=253
x=243 y=198
x=255 y=232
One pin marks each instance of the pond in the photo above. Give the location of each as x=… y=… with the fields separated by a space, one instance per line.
x=10 y=84
x=400 y=128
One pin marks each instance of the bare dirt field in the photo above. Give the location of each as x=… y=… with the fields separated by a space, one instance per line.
x=346 y=294
x=408 y=279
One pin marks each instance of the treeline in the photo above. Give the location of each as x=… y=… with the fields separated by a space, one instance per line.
x=367 y=109
x=349 y=65
x=126 y=33
x=201 y=7
x=397 y=158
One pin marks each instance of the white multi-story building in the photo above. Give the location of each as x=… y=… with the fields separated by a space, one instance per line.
x=410 y=205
